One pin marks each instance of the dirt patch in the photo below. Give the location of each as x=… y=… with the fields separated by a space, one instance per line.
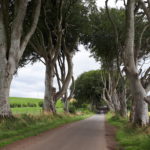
x=111 y=137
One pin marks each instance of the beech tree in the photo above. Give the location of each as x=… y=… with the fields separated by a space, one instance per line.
x=13 y=41
x=88 y=88
x=75 y=28
x=140 y=48
x=109 y=56
x=140 y=115
x=62 y=22
x=133 y=49
x=105 y=54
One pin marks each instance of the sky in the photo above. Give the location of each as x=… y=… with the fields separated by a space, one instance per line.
x=29 y=81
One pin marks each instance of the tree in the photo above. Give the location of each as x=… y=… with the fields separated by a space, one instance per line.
x=63 y=26
x=97 y=40
x=13 y=41
x=108 y=25
x=75 y=27
x=138 y=92
x=88 y=88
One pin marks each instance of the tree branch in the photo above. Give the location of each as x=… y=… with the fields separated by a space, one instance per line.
x=35 y=17
x=17 y=27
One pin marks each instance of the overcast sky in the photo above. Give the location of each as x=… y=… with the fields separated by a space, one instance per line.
x=29 y=82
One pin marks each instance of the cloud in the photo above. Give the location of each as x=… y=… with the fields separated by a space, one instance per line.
x=83 y=62
x=29 y=81
x=111 y=3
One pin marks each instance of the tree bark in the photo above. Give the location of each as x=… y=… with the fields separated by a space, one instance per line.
x=123 y=103
x=65 y=101
x=11 y=53
x=140 y=115
x=138 y=92
x=115 y=100
x=68 y=77
x=5 y=81
x=49 y=101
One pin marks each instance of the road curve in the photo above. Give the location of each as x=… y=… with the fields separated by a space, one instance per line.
x=87 y=134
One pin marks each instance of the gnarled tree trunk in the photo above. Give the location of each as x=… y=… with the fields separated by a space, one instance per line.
x=123 y=103
x=115 y=100
x=140 y=115
x=65 y=101
x=5 y=81
x=49 y=101
x=138 y=92
x=12 y=46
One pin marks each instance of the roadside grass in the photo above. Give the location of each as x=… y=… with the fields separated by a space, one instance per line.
x=30 y=121
x=128 y=136
x=23 y=126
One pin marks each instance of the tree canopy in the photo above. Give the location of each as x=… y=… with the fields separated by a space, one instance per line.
x=88 y=88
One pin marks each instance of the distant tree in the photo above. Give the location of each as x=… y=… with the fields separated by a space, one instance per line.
x=88 y=88
x=102 y=42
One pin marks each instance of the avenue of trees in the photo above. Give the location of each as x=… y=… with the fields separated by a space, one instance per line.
x=51 y=30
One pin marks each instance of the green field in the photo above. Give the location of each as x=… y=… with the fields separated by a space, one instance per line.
x=20 y=100
x=27 y=110
x=36 y=110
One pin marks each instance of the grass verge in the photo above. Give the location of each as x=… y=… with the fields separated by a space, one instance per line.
x=28 y=125
x=129 y=137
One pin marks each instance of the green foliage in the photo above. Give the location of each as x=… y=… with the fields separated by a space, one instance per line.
x=40 y=104
x=14 y=105
x=59 y=104
x=88 y=87
x=101 y=38
x=72 y=108
x=74 y=25
x=130 y=137
x=16 y=102
x=84 y=110
x=27 y=125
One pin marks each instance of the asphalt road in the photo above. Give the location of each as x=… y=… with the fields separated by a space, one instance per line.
x=87 y=134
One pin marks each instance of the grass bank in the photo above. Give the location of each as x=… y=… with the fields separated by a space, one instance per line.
x=129 y=137
x=30 y=125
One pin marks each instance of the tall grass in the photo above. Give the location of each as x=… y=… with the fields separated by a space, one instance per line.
x=128 y=136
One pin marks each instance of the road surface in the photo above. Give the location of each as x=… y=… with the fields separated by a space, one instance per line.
x=87 y=134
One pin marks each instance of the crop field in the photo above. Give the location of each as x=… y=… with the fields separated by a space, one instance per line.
x=30 y=105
